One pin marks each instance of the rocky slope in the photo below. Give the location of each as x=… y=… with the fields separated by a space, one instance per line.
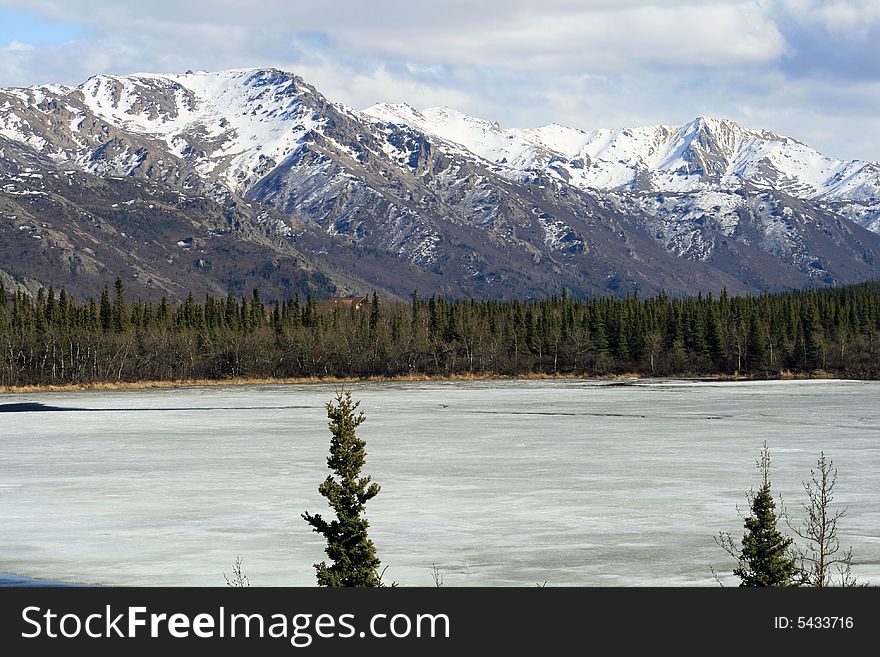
x=222 y=181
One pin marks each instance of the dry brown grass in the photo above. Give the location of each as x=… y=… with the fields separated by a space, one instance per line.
x=466 y=376
x=187 y=383
x=190 y=383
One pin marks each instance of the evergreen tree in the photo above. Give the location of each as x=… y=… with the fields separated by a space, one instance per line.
x=813 y=339
x=766 y=557
x=120 y=313
x=93 y=317
x=231 y=311
x=164 y=313
x=40 y=313
x=353 y=556
x=106 y=311
x=278 y=318
x=415 y=306
x=293 y=311
x=258 y=311
x=63 y=307
x=621 y=342
x=597 y=331
x=756 y=352
x=715 y=341
x=375 y=315
x=309 y=312
x=52 y=314
x=244 y=319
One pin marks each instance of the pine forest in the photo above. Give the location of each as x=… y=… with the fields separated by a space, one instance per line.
x=55 y=339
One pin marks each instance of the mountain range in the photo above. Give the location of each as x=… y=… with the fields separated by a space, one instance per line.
x=220 y=182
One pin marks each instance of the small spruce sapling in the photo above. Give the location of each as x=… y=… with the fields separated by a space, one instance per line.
x=766 y=556
x=353 y=559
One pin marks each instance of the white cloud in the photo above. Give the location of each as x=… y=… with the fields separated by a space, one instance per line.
x=360 y=89
x=18 y=46
x=715 y=34
x=808 y=68
x=518 y=35
x=845 y=18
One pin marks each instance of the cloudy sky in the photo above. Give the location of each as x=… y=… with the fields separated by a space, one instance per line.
x=806 y=68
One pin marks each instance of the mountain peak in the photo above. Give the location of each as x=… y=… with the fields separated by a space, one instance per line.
x=460 y=202
x=705 y=150
x=715 y=124
x=706 y=121
x=392 y=112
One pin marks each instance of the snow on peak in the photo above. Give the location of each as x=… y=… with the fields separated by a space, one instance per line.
x=236 y=122
x=705 y=152
x=485 y=139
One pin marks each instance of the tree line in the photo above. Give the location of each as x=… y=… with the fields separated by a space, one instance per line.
x=54 y=338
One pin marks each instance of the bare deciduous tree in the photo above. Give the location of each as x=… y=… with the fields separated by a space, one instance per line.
x=238 y=579
x=436 y=576
x=822 y=561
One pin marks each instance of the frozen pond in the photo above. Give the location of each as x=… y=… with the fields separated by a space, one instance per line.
x=497 y=483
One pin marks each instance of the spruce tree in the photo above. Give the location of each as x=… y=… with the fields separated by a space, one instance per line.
x=813 y=340
x=755 y=352
x=352 y=554
x=40 y=313
x=715 y=341
x=278 y=318
x=258 y=311
x=63 y=308
x=120 y=310
x=164 y=313
x=766 y=557
x=231 y=311
x=52 y=315
x=375 y=314
x=106 y=311
x=598 y=333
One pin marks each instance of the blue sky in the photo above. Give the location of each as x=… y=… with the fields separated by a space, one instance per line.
x=29 y=28
x=805 y=68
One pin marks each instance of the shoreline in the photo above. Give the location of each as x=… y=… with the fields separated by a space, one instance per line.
x=533 y=376
x=11 y=580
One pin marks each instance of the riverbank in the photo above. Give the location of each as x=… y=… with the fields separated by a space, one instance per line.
x=12 y=580
x=783 y=375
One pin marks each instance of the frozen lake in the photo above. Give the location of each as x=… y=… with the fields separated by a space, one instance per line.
x=497 y=483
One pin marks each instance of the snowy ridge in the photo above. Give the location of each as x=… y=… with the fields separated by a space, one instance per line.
x=236 y=125
x=230 y=126
x=482 y=138
x=705 y=153
x=707 y=204
x=237 y=121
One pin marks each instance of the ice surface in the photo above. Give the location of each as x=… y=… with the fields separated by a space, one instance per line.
x=497 y=483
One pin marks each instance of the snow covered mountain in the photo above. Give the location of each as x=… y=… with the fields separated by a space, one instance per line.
x=394 y=198
x=706 y=153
